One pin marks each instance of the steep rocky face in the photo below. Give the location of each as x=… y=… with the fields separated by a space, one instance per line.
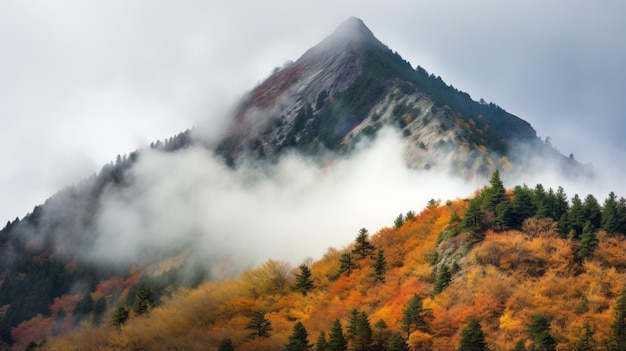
x=351 y=85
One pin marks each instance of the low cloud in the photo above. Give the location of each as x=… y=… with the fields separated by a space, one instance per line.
x=290 y=210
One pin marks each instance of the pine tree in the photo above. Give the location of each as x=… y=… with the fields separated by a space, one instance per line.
x=336 y=340
x=588 y=241
x=618 y=328
x=474 y=214
x=226 y=345
x=380 y=266
x=120 y=316
x=610 y=215
x=259 y=325
x=592 y=211
x=561 y=204
x=494 y=194
x=577 y=216
x=299 y=339
x=442 y=280
x=362 y=339
x=363 y=248
x=414 y=316
x=144 y=299
x=346 y=264
x=473 y=338
x=304 y=284
x=381 y=335
x=399 y=221
x=321 y=344
x=539 y=331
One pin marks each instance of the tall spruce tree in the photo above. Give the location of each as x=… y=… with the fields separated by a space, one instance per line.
x=346 y=264
x=321 y=344
x=362 y=247
x=336 y=339
x=442 y=280
x=577 y=217
x=473 y=338
x=592 y=211
x=259 y=325
x=588 y=241
x=304 y=283
x=495 y=194
x=539 y=331
x=610 y=215
x=144 y=299
x=380 y=266
x=299 y=339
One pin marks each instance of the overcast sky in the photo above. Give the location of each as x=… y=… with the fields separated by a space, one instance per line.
x=83 y=81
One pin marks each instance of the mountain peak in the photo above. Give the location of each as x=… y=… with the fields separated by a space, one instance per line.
x=353 y=29
x=352 y=32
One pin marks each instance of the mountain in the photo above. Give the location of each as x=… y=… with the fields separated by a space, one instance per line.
x=350 y=85
x=340 y=93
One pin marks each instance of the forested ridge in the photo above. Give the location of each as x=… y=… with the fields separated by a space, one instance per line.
x=520 y=269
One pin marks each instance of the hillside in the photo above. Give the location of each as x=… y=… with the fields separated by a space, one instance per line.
x=143 y=220
x=531 y=283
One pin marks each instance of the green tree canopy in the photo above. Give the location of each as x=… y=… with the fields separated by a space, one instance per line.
x=473 y=338
x=299 y=339
x=336 y=339
x=362 y=247
x=414 y=316
x=259 y=325
x=304 y=283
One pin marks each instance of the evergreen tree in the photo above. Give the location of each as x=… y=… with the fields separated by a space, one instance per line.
x=610 y=215
x=299 y=339
x=259 y=325
x=397 y=343
x=321 y=344
x=120 y=316
x=336 y=340
x=561 y=204
x=414 y=316
x=398 y=222
x=541 y=202
x=577 y=216
x=226 y=345
x=474 y=214
x=473 y=338
x=380 y=266
x=592 y=211
x=539 y=331
x=410 y=216
x=362 y=339
x=442 y=280
x=588 y=241
x=363 y=248
x=351 y=327
x=381 y=335
x=304 y=284
x=346 y=264
x=521 y=207
x=494 y=194
x=144 y=299
x=618 y=328
x=621 y=215
x=585 y=342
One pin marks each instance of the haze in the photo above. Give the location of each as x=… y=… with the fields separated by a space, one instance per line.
x=85 y=81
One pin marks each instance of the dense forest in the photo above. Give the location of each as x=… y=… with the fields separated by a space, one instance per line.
x=520 y=269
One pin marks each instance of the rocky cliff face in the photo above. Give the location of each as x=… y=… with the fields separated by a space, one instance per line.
x=351 y=85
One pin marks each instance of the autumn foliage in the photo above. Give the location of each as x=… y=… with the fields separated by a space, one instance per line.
x=499 y=280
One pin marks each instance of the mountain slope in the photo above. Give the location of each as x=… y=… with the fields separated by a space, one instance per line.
x=504 y=275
